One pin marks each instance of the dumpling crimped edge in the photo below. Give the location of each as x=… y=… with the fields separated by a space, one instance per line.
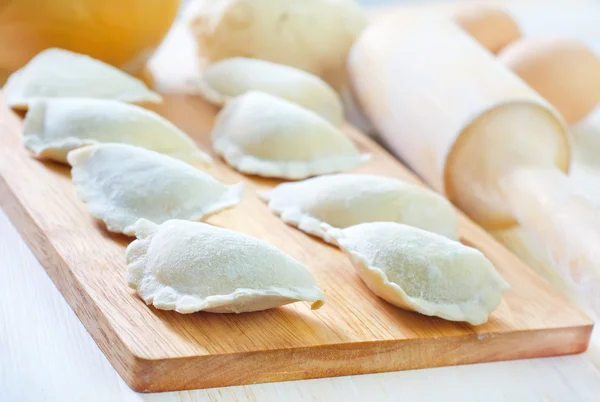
x=295 y=217
x=306 y=222
x=293 y=170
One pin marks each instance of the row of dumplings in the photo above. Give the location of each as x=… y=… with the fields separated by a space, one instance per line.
x=139 y=174
x=277 y=122
x=401 y=238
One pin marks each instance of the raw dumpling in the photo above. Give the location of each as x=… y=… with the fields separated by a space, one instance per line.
x=233 y=77
x=58 y=73
x=341 y=200
x=53 y=127
x=423 y=271
x=121 y=183
x=190 y=266
x=261 y=134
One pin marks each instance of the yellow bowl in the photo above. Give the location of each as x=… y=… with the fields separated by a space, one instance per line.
x=123 y=33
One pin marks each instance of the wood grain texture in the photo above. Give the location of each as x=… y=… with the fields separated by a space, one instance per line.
x=355 y=332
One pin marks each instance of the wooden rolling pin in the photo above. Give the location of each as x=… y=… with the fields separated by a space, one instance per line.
x=477 y=133
x=459 y=118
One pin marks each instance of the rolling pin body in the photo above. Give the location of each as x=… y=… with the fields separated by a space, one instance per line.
x=459 y=118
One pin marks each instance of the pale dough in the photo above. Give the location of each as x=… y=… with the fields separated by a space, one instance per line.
x=423 y=271
x=261 y=134
x=191 y=266
x=229 y=78
x=53 y=127
x=58 y=73
x=341 y=200
x=122 y=183
x=312 y=35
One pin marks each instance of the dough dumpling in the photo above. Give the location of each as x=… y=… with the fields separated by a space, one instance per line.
x=121 y=183
x=58 y=73
x=341 y=200
x=191 y=266
x=233 y=77
x=423 y=271
x=261 y=134
x=53 y=127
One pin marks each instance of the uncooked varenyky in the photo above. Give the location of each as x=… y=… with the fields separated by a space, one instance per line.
x=229 y=78
x=53 y=127
x=341 y=200
x=261 y=134
x=58 y=73
x=191 y=266
x=122 y=183
x=422 y=271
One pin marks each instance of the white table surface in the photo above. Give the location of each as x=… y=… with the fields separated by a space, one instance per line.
x=47 y=355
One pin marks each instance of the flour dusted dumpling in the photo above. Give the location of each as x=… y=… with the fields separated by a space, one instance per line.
x=233 y=77
x=53 y=127
x=261 y=134
x=341 y=200
x=121 y=183
x=58 y=73
x=423 y=271
x=191 y=266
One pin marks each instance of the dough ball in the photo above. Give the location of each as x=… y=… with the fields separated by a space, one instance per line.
x=312 y=35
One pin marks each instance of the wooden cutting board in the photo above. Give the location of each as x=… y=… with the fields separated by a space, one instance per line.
x=355 y=332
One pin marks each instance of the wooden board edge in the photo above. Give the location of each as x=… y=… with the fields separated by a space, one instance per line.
x=113 y=347
x=367 y=358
